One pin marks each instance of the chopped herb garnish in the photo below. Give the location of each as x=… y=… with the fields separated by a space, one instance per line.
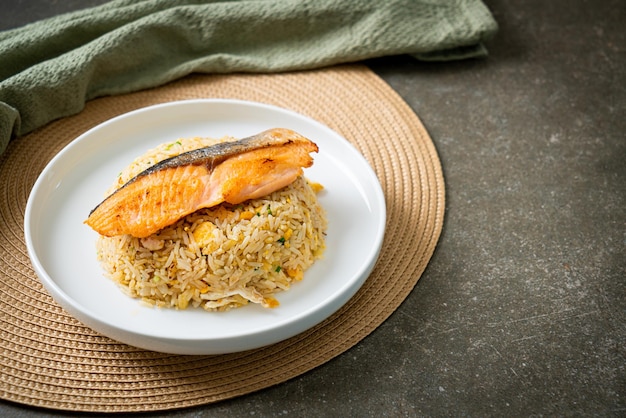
x=281 y=240
x=269 y=210
x=172 y=144
x=277 y=269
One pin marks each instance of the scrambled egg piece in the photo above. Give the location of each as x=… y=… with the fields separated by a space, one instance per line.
x=205 y=237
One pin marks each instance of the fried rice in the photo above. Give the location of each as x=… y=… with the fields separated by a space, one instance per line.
x=221 y=257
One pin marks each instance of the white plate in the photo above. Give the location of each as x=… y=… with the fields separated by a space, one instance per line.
x=62 y=248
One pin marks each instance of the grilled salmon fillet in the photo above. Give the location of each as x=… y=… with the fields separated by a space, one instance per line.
x=230 y=172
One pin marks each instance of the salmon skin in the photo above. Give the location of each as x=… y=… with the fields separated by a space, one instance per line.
x=231 y=172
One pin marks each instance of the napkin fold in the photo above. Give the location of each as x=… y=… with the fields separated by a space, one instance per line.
x=50 y=68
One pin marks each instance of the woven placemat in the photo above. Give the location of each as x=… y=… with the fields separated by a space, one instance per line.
x=49 y=359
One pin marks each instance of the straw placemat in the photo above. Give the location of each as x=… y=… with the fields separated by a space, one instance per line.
x=51 y=360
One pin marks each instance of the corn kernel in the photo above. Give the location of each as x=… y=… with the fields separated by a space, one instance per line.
x=316 y=187
x=183 y=301
x=247 y=215
x=270 y=302
x=295 y=273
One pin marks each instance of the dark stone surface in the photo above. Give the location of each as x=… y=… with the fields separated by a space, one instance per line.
x=522 y=310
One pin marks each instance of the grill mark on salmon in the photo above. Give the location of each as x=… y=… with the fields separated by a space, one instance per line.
x=231 y=172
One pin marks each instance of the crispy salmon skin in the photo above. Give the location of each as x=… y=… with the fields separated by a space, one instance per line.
x=230 y=172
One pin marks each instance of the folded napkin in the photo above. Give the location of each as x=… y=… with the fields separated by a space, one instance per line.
x=50 y=68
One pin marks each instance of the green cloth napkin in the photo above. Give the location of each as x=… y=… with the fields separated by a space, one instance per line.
x=50 y=68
